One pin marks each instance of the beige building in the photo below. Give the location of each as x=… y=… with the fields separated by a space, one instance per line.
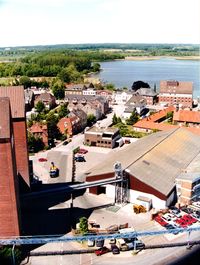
x=102 y=137
x=175 y=92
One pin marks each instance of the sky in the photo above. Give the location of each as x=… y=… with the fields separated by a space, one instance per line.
x=42 y=22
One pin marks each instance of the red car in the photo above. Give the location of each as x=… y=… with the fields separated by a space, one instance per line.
x=42 y=159
x=160 y=220
x=101 y=251
x=82 y=151
x=189 y=218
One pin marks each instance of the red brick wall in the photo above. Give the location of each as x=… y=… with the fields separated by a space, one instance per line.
x=9 y=203
x=21 y=150
x=136 y=184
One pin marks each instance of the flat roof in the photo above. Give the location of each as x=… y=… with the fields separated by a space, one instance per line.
x=96 y=129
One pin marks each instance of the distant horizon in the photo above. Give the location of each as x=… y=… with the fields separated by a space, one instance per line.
x=100 y=43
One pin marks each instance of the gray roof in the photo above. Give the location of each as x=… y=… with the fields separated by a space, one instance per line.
x=143 y=91
x=157 y=159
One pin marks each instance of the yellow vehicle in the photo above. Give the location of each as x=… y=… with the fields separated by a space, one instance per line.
x=54 y=171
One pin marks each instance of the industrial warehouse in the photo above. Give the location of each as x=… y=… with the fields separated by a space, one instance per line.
x=154 y=165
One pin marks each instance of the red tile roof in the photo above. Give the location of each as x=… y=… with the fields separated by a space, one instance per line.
x=17 y=102
x=5 y=118
x=36 y=128
x=176 y=87
x=160 y=114
x=154 y=125
x=187 y=116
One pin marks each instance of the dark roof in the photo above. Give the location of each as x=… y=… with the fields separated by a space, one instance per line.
x=5 y=118
x=17 y=102
x=147 y=92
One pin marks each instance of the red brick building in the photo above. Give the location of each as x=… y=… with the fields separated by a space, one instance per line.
x=175 y=92
x=9 y=201
x=17 y=104
x=13 y=158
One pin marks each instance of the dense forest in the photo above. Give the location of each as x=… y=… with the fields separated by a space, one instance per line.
x=54 y=63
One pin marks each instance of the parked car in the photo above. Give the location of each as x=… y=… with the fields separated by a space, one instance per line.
x=115 y=250
x=101 y=251
x=136 y=244
x=80 y=159
x=160 y=220
x=82 y=151
x=42 y=159
x=100 y=243
x=112 y=241
x=122 y=245
x=175 y=211
x=186 y=209
x=171 y=227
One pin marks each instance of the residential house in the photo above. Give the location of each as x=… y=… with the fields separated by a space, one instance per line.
x=176 y=92
x=82 y=116
x=149 y=95
x=47 y=98
x=102 y=137
x=121 y=97
x=40 y=131
x=96 y=105
x=135 y=103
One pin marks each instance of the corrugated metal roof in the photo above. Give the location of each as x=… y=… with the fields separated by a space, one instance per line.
x=17 y=101
x=156 y=159
x=4 y=118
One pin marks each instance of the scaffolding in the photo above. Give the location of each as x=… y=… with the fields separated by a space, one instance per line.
x=121 y=188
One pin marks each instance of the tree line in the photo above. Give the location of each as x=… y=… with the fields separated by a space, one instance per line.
x=69 y=64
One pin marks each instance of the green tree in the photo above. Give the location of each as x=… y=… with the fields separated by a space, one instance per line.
x=6 y=255
x=35 y=144
x=40 y=107
x=63 y=111
x=83 y=224
x=53 y=130
x=133 y=118
x=64 y=75
x=110 y=86
x=96 y=67
x=91 y=119
x=25 y=81
x=58 y=89
x=114 y=119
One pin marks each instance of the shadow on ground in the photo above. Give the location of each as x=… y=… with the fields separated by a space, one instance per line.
x=51 y=213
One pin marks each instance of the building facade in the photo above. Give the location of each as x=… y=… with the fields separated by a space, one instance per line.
x=102 y=137
x=176 y=93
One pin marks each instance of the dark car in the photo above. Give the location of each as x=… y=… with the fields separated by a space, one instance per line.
x=171 y=227
x=100 y=243
x=101 y=251
x=65 y=142
x=80 y=159
x=115 y=249
x=187 y=210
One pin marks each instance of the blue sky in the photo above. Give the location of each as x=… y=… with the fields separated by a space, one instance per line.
x=40 y=22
